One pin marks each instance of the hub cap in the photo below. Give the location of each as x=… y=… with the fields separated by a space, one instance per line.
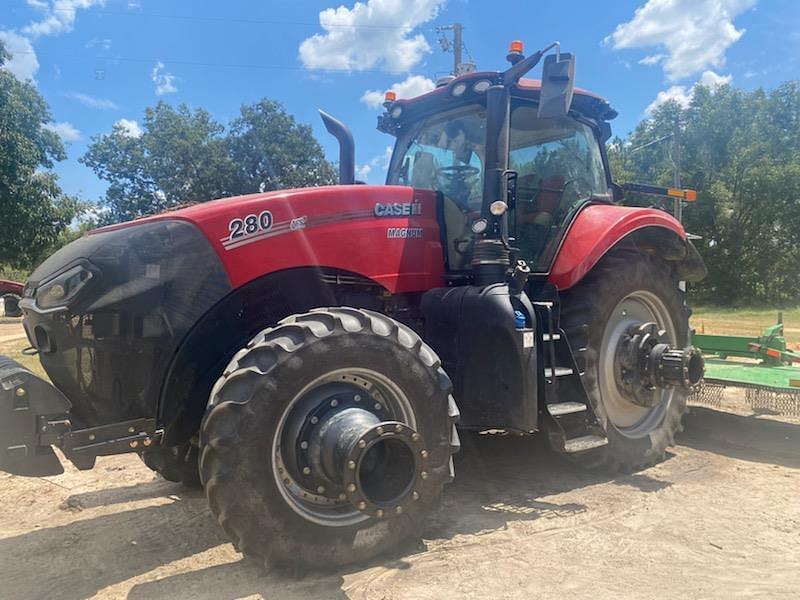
x=346 y=449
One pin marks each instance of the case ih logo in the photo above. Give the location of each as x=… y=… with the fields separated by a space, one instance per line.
x=398 y=209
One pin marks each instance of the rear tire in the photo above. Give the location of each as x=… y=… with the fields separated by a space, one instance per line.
x=624 y=288
x=264 y=512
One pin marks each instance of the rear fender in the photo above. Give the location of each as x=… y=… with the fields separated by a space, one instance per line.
x=599 y=228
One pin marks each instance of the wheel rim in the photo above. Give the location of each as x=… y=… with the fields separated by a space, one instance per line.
x=626 y=417
x=334 y=391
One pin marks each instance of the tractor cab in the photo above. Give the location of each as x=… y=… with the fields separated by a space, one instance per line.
x=549 y=158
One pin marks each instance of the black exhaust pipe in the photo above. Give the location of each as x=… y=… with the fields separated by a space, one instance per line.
x=347 y=148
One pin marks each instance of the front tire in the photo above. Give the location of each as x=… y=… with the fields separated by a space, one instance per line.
x=257 y=484
x=624 y=289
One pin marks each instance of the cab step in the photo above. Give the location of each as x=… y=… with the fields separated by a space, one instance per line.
x=565 y=408
x=559 y=372
x=583 y=443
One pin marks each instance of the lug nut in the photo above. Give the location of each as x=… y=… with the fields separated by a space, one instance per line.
x=351 y=487
x=314 y=420
x=334 y=403
x=91 y=437
x=321 y=489
x=379 y=513
x=424 y=474
x=357 y=397
x=131 y=429
x=414 y=496
x=378 y=406
x=306 y=470
x=362 y=444
x=20 y=392
x=351 y=464
x=398 y=428
x=398 y=509
x=423 y=453
x=147 y=442
x=379 y=430
x=304 y=445
x=415 y=436
x=362 y=506
x=342 y=496
x=133 y=444
x=287 y=482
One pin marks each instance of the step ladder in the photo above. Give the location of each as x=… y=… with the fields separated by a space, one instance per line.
x=568 y=415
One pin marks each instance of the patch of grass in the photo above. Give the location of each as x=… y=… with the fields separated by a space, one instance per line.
x=13 y=348
x=746 y=321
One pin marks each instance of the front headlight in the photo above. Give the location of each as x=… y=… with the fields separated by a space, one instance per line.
x=62 y=288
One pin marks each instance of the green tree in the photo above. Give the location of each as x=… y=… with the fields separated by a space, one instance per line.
x=741 y=152
x=184 y=155
x=33 y=209
x=272 y=151
x=179 y=157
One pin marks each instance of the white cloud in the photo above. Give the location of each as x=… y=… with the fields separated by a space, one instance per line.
x=23 y=64
x=128 y=128
x=414 y=85
x=713 y=81
x=695 y=33
x=102 y=43
x=59 y=16
x=381 y=161
x=91 y=101
x=375 y=33
x=164 y=80
x=652 y=59
x=683 y=94
x=64 y=130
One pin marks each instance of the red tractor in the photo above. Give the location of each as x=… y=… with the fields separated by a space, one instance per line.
x=10 y=294
x=306 y=355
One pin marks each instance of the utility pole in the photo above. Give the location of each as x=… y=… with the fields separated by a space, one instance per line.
x=676 y=163
x=457 y=45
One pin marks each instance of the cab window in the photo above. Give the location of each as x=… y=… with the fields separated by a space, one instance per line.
x=559 y=168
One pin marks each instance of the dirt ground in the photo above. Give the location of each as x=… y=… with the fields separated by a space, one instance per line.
x=719 y=518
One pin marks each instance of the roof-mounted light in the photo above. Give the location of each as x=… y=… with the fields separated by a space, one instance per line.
x=516 y=50
x=481 y=86
x=390 y=96
x=459 y=89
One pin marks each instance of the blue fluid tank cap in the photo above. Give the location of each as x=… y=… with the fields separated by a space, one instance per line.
x=519 y=319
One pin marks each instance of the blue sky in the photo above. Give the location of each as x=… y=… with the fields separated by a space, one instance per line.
x=100 y=62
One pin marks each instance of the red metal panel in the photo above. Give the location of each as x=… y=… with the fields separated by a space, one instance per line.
x=387 y=233
x=596 y=230
x=10 y=287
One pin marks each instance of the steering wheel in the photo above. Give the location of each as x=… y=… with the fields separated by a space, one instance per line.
x=455 y=180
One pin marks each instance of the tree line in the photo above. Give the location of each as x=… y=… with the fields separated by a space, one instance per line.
x=740 y=151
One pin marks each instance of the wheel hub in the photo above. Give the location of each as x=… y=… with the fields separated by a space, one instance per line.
x=345 y=453
x=647 y=364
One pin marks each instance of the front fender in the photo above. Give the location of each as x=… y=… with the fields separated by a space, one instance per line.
x=600 y=227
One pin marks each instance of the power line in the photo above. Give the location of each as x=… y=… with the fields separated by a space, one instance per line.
x=223 y=65
x=215 y=19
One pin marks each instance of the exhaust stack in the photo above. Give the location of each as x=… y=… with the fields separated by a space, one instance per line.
x=347 y=148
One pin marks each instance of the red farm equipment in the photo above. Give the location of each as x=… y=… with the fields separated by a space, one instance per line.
x=10 y=294
x=309 y=355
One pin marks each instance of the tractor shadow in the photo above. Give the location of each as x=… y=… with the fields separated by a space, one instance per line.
x=169 y=534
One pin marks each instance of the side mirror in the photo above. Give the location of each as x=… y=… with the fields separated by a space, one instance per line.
x=558 y=84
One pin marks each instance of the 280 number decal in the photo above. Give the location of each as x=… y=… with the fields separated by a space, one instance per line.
x=250 y=225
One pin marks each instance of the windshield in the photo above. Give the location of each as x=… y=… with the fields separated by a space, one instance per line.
x=445 y=153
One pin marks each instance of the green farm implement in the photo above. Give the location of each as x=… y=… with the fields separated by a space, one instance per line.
x=763 y=366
